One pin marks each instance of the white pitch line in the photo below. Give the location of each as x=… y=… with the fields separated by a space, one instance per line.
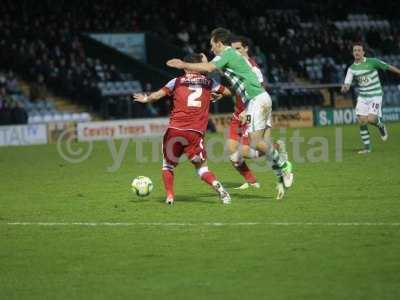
x=122 y=224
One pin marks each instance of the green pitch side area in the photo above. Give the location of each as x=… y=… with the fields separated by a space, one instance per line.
x=76 y=231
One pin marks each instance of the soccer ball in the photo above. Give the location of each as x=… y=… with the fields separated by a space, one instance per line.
x=142 y=186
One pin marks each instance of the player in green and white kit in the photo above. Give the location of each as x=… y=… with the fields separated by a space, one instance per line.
x=257 y=101
x=369 y=101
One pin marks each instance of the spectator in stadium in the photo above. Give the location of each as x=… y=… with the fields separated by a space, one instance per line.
x=3 y=82
x=18 y=114
x=5 y=113
x=12 y=83
x=38 y=90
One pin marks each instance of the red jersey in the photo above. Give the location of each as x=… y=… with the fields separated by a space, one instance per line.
x=239 y=105
x=191 y=101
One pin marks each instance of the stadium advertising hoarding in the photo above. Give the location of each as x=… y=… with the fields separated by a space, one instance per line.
x=138 y=128
x=330 y=116
x=280 y=119
x=132 y=44
x=292 y=119
x=61 y=131
x=23 y=135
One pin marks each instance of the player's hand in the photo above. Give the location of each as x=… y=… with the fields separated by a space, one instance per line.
x=140 y=97
x=216 y=96
x=176 y=63
x=345 y=88
x=242 y=117
x=204 y=58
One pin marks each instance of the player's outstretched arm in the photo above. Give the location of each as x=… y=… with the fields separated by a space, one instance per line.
x=203 y=67
x=155 y=96
x=347 y=81
x=394 y=69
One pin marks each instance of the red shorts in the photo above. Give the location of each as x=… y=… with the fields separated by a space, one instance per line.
x=238 y=132
x=177 y=142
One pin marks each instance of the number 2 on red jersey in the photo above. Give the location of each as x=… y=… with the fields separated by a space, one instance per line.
x=193 y=99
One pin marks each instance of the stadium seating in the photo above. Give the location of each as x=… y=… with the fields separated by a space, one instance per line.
x=119 y=88
x=307 y=42
x=391 y=96
x=38 y=111
x=362 y=21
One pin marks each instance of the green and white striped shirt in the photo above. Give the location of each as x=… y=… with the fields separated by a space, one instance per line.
x=239 y=72
x=367 y=77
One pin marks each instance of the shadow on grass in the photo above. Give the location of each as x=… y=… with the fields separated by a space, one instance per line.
x=201 y=198
x=209 y=197
x=213 y=198
x=230 y=184
x=352 y=150
x=137 y=199
x=249 y=197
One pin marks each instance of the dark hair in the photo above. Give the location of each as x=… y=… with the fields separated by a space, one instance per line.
x=193 y=58
x=221 y=35
x=358 y=44
x=241 y=39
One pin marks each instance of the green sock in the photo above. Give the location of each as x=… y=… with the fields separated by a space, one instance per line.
x=365 y=136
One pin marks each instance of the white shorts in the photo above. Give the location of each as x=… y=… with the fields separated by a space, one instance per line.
x=366 y=106
x=258 y=113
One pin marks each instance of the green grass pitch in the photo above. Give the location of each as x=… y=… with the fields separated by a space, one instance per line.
x=335 y=236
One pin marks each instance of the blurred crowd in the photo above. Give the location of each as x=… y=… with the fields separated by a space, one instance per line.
x=11 y=111
x=281 y=36
x=42 y=39
x=49 y=53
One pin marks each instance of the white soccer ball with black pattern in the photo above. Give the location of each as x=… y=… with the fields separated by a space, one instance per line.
x=142 y=186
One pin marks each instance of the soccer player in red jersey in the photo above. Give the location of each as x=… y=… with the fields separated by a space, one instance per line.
x=238 y=141
x=192 y=94
x=257 y=114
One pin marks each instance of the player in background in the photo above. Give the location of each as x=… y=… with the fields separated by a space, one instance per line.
x=369 y=100
x=238 y=140
x=188 y=122
x=256 y=100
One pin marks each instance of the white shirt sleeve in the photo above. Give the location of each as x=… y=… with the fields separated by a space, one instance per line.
x=215 y=85
x=259 y=74
x=216 y=58
x=349 y=77
x=171 y=84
